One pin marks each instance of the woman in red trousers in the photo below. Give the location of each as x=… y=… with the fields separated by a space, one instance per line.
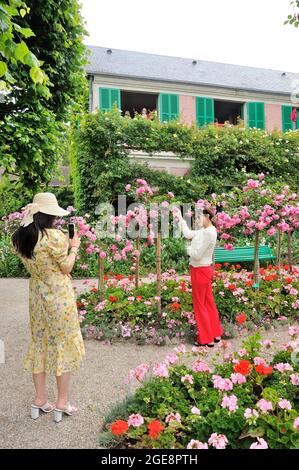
x=201 y=250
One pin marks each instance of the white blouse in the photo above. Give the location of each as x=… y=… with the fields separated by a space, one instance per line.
x=202 y=245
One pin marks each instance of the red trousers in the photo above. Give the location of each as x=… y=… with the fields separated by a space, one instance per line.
x=205 y=310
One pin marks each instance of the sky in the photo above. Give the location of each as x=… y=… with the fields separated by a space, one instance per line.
x=243 y=32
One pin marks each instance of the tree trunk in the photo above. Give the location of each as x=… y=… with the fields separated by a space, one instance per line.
x=101 y=279
x=158 y=266
x=137 y=263
x=256 y=267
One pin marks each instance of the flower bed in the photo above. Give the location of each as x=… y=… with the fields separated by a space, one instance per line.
x=129 y=312
x=243 y=401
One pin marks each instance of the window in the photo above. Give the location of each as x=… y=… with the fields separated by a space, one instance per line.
x=134 y=102
x=228 y=112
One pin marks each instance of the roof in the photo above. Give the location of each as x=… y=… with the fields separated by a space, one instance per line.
x=146 y=66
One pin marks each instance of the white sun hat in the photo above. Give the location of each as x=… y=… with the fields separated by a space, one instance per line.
x=45 y=203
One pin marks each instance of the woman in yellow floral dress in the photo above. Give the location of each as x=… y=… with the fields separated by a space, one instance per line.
x=56 y=345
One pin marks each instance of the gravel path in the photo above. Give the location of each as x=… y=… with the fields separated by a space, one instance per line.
x=95 y=389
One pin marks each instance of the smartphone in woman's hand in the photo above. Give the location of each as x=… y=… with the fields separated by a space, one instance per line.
x=71 y=230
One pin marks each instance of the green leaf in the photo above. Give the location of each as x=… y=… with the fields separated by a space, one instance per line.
x=31 y=60
x=37 y=75
x=23 y=12
x=20 y=51
x=3 y=68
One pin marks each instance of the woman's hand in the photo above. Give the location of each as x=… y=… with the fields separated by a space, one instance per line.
x=177 y=214
x=75 y=242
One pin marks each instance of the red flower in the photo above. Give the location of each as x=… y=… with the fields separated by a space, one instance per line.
x=288 y=280
x=232 y=287
x=262 y=271
x=217 y=266
x=138 y=297
x=238 y=266
x=131 y=277
x=264 y=370
x=79 y=304
x=226 y=264
x=106 y=277
x=94 y=289
x=175 y=306
x=119 y=427
x=286 y=267
x=154 y=428
x=249 y=283
x=113 y=298
x=119 y=277
x=243 y=367
x=283 y=430
x=241 y=318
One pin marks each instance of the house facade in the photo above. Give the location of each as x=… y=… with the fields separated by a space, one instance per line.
x=199 y=92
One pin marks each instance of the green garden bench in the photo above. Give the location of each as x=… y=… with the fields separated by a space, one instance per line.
x=242 y=253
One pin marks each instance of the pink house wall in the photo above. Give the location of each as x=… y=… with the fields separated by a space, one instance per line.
x=273 y=117
x=187 y=109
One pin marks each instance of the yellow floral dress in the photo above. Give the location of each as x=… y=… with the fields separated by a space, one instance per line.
x=56 y=342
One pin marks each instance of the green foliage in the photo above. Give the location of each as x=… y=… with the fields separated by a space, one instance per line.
x=293 y=18
x=31 y=142
x=17 y=52
x=223 y=157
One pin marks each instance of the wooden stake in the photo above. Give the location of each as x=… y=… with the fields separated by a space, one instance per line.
x=256 y=267
x=290 y=253
x=137 y=263
x=101 y=278
x=158 y=269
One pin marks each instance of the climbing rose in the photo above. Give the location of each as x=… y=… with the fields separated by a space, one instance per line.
x=119 y=427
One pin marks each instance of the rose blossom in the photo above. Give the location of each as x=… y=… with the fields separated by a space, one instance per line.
x=230 y=402
x=187 y=378
x=173 y=417
x=195 y=410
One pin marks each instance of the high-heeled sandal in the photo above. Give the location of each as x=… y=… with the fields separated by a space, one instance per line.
x=35 y=410
x=69 y=411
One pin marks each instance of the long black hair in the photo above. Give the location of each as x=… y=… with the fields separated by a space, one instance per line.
x=207 y=211
x=25 y=238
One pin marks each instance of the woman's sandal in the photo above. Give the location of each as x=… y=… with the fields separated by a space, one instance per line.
x=210 y=345
x=218 y=339
x=69 y=411
x=46 y=408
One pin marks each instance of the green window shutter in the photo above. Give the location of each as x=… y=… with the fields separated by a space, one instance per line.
x=286 y=112
x=168 y=106
x=108 y=98
x=204 y=111
x=256 y=115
